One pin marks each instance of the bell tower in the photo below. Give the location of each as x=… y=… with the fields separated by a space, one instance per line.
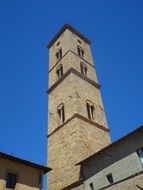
x=77 y=124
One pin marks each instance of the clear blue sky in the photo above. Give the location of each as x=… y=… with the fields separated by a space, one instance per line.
x=115 y=28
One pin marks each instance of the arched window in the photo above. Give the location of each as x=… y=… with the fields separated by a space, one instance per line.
x=59 y=54
x=83 y=69
x=61 y=113
x=59 y=71
x=80 y=52
x=90 y=110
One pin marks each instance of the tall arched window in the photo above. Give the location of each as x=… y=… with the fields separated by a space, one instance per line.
x=59 y=54
x=83 y=69
x=90 y=110
x=59 y=71
x=80 y=52
x=61 y=113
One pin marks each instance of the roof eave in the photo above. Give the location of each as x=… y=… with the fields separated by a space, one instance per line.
x=25 y=162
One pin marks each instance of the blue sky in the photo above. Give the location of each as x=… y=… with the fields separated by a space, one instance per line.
x=116 y=31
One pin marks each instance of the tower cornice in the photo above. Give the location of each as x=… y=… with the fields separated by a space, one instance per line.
x=74 y=54
x=72 y=70
x=72 y=29
x=76 y=115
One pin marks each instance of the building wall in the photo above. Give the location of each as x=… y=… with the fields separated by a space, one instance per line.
x=28 y=177
x=121 y=160
x=133 y=183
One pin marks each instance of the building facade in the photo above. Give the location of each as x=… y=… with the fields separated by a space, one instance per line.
x=118 y=166
x=19 y=174
x=77 y=125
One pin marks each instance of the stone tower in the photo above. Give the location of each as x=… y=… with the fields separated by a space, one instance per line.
x=77 y=124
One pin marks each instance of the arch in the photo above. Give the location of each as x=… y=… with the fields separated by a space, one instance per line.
x=90 y=109
x=59 y=71
x=83 y=68
x=61 y=113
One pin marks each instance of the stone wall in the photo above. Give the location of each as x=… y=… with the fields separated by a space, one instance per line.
x=69 y=145
x=71 y=60
x=74 y=92
x=68 y=41
x=78 y=137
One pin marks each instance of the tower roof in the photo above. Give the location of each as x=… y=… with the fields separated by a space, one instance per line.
x=72 y=29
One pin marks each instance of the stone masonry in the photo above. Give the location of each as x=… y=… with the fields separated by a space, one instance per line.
x=78 y=136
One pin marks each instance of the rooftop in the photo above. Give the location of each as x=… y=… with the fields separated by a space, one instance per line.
x=24 y=162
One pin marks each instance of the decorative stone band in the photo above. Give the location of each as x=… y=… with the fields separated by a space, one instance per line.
x=72 y=70
x=73 y=185
x=76 y=115
x=65 y=55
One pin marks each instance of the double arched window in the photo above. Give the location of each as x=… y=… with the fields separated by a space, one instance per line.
x=61 y=113
x=90 y=109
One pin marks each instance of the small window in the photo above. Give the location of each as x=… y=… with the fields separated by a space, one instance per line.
x=83 y=68
x=11 y=180
x=61 y=113
x=140 y=154
x=110 y=178
x=59 y=71
x=90 y=110
x=91 y=186
x=58 y=43
x=79 y=41
x=80 y=52
x=59 y=54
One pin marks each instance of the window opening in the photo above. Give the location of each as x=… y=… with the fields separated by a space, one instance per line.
x=140 y=155
x=91 y=186
x=110 y=178
x=83 y=68
x=11 y=180
x=59 y=71
x=90 y=110
x=59 y=54
x=80 y=52
x=61 y=113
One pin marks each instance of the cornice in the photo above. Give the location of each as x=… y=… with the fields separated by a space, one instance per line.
x=78 y=74
x=74 y=54
x=76 y=115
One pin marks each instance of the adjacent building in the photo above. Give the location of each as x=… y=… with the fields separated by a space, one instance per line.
x=118 y=166
x=20 y=174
